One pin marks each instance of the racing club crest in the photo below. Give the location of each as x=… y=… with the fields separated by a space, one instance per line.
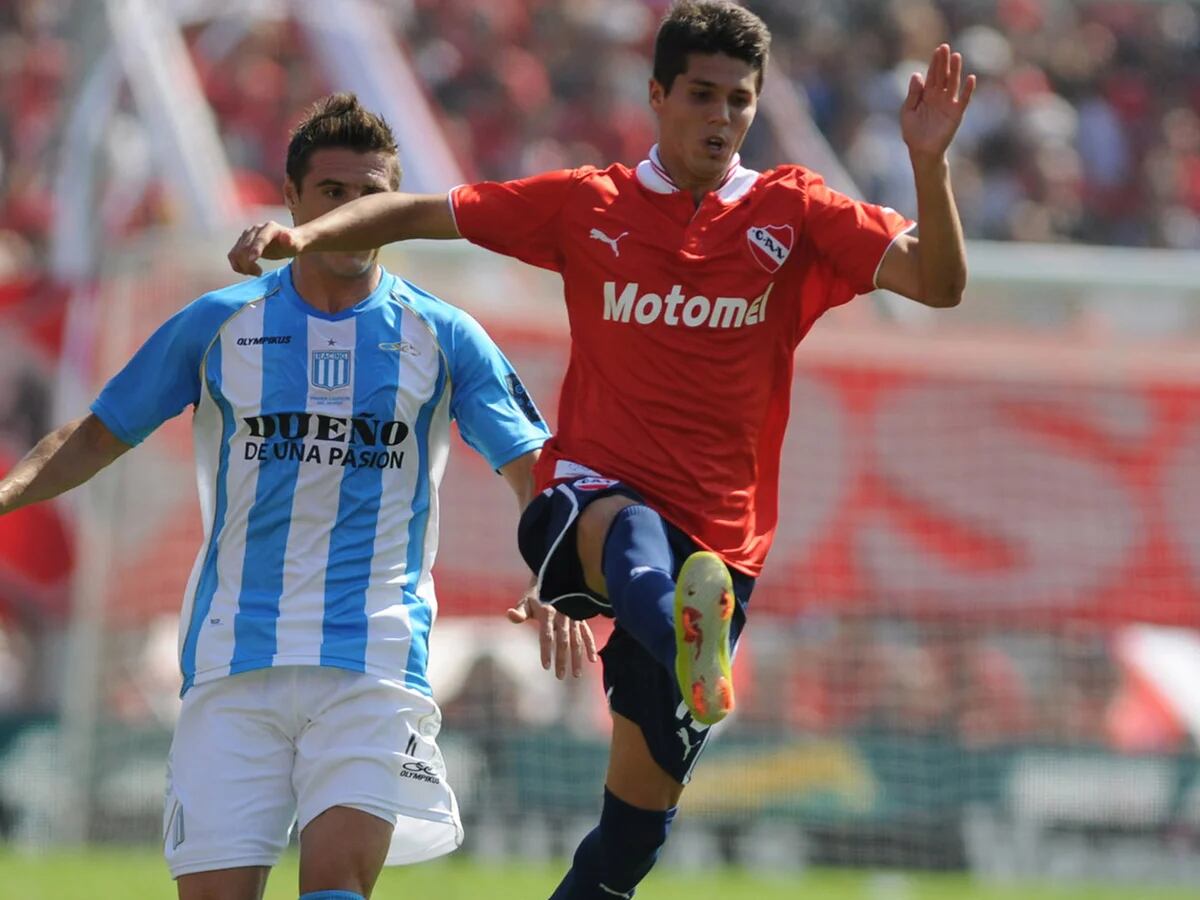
x=330 y=369
x=770 y=245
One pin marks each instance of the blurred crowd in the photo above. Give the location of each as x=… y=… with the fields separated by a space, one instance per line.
x=1085 y=127
x=972 y=683
x=34 y=74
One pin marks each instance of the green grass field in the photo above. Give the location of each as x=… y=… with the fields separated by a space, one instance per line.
x=100 y=875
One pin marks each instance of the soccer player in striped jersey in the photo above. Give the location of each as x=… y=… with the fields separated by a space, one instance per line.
x=689 y=280
x=323 y=395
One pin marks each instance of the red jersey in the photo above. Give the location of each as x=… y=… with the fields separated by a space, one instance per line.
x=683 y=322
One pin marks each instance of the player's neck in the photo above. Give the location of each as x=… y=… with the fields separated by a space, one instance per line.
x=699 y=190
x=685 y=181
x=331 y=293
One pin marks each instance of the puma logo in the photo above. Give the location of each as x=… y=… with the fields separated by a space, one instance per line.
x=599 y=235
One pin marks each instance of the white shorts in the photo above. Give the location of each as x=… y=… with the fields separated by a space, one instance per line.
x=257 y=752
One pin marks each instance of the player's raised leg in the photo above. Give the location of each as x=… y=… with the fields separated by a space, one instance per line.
x=626 y=555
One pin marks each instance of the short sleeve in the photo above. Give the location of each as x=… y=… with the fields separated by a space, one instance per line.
x=850 y=235
x=519 y=218
x=495 y=414
x=163 y=377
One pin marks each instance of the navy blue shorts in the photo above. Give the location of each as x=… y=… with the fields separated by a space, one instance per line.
x=638 y=687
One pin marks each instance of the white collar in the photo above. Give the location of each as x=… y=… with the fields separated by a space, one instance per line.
x=737 y=182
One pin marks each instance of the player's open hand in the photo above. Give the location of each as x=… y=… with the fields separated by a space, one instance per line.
x=267 y=240
x=935 y=104
x=561 y=637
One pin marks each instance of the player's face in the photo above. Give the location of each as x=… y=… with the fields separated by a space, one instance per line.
x=703 y=119
x=337 y=175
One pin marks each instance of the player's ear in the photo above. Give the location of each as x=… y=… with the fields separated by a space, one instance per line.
x=657 y=94
x=291 y=194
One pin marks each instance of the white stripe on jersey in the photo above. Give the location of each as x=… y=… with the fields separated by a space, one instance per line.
x=298 y=631
x=241 y=386
x=390 y=622
x=206 y=424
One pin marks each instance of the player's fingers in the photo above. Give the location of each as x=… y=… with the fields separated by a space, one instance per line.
x=546 y=637
x=589 y=642
x=577 y=648
x=931 y=74
x=238 y=259
x=942 y=58
x=242 y=267
x=517 y=614
x=967 y=91
x=264 y=238
x=954 y=80
x=252 y=249
x=576 y=651
x=916 y=86
x=562 y=645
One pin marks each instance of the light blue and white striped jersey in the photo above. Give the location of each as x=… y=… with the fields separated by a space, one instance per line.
x=320 y=443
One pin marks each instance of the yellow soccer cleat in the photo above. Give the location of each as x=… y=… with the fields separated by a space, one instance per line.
x=703 y=610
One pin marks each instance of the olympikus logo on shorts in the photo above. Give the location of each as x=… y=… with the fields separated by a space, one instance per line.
x=419 y=771
x=677 y=310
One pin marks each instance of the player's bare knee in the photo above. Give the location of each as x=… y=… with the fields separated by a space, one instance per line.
x=240 y=883
x=331 y=870
x=343 y=849
x=633 y=774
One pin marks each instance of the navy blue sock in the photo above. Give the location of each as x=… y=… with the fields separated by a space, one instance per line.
x=331 y=895
x=617 y=854
x=637 y=562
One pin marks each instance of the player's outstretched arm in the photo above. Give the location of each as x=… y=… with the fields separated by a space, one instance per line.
x=561 y=638
x=933 y=268
x=362 y=224
x=63 y=459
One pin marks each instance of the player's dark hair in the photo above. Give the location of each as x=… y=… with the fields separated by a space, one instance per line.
x=708 y=26
x=338 y=120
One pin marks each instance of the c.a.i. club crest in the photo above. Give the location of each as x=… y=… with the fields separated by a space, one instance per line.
x=330 y=369
x=770 y=245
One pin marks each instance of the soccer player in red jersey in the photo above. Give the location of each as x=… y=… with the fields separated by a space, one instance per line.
x=689 y=280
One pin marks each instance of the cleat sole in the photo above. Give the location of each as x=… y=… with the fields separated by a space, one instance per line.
x=704 y=602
